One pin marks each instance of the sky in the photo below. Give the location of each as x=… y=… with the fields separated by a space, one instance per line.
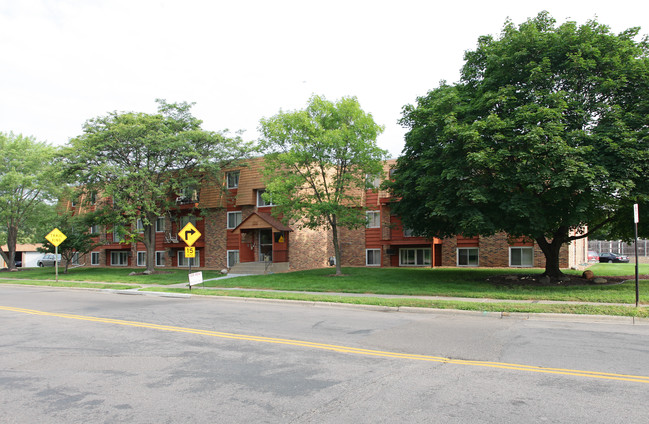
x=63 y=62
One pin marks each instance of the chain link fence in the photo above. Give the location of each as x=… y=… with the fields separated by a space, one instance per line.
x=620 y=247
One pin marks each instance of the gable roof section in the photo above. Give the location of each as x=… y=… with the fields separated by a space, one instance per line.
x=258 y=220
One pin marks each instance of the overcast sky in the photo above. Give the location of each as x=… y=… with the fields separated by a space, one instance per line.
x=65 y=61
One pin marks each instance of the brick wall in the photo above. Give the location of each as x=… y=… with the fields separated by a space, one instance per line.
x=494 y=252
x=352 y=245
x=215 y=252
x=309 y=248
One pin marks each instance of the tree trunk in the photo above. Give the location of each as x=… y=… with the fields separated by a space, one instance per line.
x=12 y=237
x=149 y=243
x=334 y=228
x=551 y=251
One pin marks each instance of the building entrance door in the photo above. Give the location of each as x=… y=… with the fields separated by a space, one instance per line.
x=266 y=245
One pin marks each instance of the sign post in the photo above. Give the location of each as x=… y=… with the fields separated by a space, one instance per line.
x=56 y=237
x=636 y=220
x=189 y=234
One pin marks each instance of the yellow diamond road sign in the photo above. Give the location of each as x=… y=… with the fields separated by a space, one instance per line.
x=189 y=234
x=56 y=237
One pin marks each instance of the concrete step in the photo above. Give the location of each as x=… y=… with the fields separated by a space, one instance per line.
x=256 y=268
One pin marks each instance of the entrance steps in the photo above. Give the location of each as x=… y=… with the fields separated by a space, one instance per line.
x=258 y=268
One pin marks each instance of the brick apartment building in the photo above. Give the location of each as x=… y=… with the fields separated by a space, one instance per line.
x=237 y=227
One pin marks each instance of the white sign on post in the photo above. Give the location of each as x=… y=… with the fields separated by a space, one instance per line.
x=636 y=214
x=195 y=278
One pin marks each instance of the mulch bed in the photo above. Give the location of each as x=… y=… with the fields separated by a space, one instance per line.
x=533 y=280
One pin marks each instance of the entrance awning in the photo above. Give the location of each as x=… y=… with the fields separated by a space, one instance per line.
x=258 y=221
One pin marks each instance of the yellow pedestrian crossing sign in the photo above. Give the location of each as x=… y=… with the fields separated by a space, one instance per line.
x=56 y=237
x=189 y=234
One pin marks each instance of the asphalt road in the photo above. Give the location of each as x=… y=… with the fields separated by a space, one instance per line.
x=89 y=356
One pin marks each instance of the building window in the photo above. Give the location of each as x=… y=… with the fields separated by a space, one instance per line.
x=373 y=257
x=260 y=200
x=184 y=220
x=407 y=232
x=373 y=181
x=521 y=256
x=141 y=258
x=184 y=262
x=232 y=179
x=94 y=258
x=160 y=224
x=233 y=258
x=118 y=233
x=94 y=229
x=75 y=259
x=139 y=225
x=414 y=257
x=467 y=256
x=160 y=258
x=234 y=219
x=119 y=258
x=373 y=219
x=93 y=198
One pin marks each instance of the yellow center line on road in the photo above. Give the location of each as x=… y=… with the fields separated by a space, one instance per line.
x=341 y=349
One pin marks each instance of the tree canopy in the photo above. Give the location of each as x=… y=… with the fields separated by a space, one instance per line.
x=317 y=161
x=546 y=135
x=29 y=180
x=141 y=161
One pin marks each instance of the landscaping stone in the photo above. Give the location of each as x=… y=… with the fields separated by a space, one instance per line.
x=588 y=274
x=600 y=280
x=511 y=278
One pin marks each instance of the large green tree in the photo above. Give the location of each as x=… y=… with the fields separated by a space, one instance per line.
x=140 y=161
x=546 y=135
x=28 y=181
x=317 y=162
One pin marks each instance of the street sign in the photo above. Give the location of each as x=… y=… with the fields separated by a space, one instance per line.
x=636 y=214
x=56 y=237
x=190 y=252
x=189 y=234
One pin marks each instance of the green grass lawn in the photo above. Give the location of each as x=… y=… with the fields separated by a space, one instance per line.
x=106 y=275
x=457 y=282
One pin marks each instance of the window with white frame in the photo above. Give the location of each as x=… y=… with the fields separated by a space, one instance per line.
x=75 y=259
x=373 y=219
x=141 y=258
x=94 y=229
x=521 y=256
x=260 y=200
x=232 y=178
x=234 y=219
x=94 y=258
x=373 y=181
x=160 y=224
x=184 y=262
x=118 y=233
x=373 y=257
x=139 y=225
x=468 y=256
x=414 y=256
x=160 y=258
x=119 y=258
x=233 y=258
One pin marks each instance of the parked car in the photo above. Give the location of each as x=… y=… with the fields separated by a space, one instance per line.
x=47 y=260
x=593 y=256
x=612 y=257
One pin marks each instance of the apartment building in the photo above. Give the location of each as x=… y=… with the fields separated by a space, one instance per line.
x=238 y=227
